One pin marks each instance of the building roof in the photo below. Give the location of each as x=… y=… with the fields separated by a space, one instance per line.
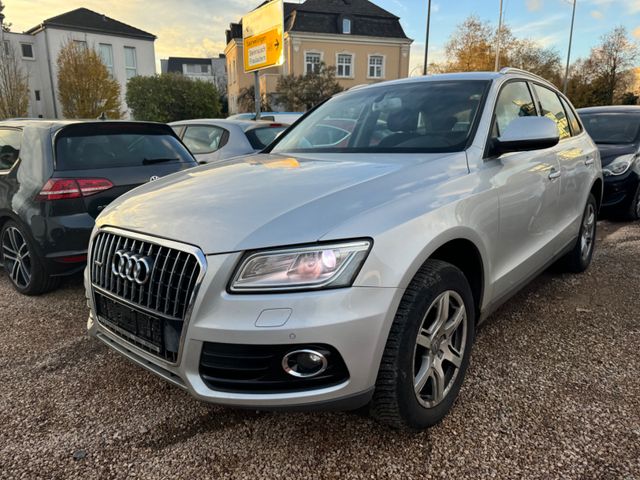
x=85 y=20
x=325 y=16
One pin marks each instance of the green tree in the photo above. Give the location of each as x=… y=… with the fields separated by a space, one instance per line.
x=302 y=92
x=85 y=87
x=247 y=100
x=170 y=97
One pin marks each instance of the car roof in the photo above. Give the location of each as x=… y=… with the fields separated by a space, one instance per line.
x=54 y=123
x=506 y=72
x=242 y=124
x=611 y=109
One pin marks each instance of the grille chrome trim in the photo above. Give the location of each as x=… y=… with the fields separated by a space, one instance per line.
x=128 y=239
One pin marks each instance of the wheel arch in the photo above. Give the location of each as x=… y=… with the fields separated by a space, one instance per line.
x=597 y=191
x=463 y=249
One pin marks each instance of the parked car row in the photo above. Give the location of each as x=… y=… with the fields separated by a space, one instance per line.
x=348 y=263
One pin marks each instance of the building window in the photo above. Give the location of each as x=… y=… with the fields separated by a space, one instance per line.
x=376 y=66
x=7 y=48
x=312 y=62
x=196 y=69
x=106 y=54
x=27 y=50
x=344 y=64
x=346 y=25
x=130 y=62
x=80 y=43
x=37 y=92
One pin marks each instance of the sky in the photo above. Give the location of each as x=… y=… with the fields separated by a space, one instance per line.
x=196 y=27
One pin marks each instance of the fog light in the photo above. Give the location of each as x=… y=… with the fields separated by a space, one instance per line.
x=304 y=363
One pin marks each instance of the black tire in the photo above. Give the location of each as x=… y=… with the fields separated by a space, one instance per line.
x=576 y=261
x=633 y=212
x=395 y=402
x=38 y=280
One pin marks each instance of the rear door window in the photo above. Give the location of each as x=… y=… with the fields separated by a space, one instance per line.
x=203 y=138
x=93 y=146
x=259 y=138
x=9 y=148
x=573 y=120
x=551 y=107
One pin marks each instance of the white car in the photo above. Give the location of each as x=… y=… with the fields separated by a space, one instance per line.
x=214 y=140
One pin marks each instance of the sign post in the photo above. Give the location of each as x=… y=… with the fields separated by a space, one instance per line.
x=263 y=39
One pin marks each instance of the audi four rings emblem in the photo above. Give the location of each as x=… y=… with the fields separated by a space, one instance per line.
x=131 y=266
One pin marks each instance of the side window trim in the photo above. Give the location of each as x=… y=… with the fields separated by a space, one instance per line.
x=566 y=104
x=6 y=171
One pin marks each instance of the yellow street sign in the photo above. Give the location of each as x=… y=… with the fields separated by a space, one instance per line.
x=262 y=33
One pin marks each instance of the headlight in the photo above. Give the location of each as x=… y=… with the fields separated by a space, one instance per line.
x=320 y=266
x=620 y=165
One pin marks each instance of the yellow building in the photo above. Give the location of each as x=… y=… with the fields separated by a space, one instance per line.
x=364 y=42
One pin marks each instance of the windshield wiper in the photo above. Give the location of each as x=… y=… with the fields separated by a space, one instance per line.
x=149 y=161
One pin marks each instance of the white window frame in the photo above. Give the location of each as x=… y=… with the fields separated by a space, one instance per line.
x=33 y=51
x=351 y=65
x=312 y=52
x=346 y=22
x=127 y=68
x=104 y=60
x=382 y=67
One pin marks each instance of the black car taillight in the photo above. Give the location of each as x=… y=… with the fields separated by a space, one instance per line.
x=65 y=188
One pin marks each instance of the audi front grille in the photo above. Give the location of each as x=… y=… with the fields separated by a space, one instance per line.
x=143 y=289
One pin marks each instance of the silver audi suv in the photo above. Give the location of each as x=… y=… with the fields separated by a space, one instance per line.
x=351 y=262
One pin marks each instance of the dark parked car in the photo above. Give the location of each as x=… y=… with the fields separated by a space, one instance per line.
x=616 y=131
x=57 y=176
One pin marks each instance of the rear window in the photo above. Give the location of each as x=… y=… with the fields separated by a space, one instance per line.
x=93 y=146
x=259 y=138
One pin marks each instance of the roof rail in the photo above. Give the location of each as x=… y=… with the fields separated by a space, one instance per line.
x=505 y=70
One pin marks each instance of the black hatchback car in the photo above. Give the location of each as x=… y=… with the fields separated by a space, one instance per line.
x=57 y=176
x=616 y=131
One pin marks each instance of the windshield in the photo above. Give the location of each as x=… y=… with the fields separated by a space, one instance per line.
x=434 y=116
x=612 y=127
x=259 y=138
x=92 y=146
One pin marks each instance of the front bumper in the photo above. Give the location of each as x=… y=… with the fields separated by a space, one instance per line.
x=354 y=321
x=619 y=191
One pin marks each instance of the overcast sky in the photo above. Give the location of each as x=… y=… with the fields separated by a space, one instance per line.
x=196 y=27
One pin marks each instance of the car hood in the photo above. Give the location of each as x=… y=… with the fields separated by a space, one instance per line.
x=608 y=153
x=269 y=200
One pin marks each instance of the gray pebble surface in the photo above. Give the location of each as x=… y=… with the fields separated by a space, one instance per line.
x=553 y=391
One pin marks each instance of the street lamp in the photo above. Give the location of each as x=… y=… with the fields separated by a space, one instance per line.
x=566 y=71
x=426 y=43
x=499 y=36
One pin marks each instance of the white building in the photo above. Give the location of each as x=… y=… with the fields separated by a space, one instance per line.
x=126 y=50
x=212 y=70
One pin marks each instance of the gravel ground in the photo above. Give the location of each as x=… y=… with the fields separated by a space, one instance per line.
x=553 y=390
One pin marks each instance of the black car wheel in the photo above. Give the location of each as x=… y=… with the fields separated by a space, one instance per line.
x=634 y=208
x=427 y=351
x=21 y=262
x=579 y=258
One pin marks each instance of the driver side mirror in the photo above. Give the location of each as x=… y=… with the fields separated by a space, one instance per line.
x=526 y=133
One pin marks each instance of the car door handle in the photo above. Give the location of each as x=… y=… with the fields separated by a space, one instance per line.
x=589 y=160
x=553 y=174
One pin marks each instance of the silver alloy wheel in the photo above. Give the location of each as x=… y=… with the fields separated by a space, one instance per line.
x=588 y=232
x=16 y=257
x=439 y=349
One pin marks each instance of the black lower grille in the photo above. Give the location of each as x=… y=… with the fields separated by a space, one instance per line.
x=156 y=335
x=258 y=368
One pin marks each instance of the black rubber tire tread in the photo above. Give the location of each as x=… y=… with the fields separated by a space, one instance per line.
x=41 y=281
x=631 y=213
x=572 y=262
x=386 y=405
